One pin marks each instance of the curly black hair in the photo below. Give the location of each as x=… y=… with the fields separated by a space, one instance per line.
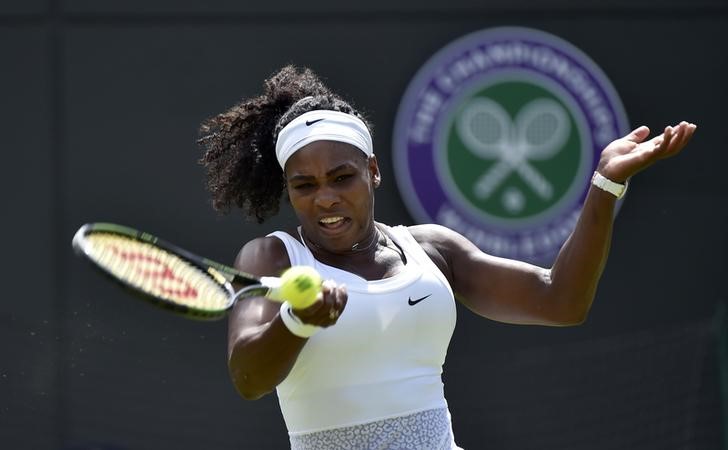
x=239 y=144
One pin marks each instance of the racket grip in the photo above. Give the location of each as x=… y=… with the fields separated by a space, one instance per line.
x=274 y=285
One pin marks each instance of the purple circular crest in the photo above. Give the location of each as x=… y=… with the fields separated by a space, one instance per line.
x=437 y=94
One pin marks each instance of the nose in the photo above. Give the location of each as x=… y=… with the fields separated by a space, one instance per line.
x=326 y=198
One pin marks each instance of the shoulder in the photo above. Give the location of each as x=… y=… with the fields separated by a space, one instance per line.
x=450 y=246
x=438 y=243
x=263 y=256
x=437 y=236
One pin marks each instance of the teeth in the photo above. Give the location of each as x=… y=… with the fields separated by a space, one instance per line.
x=331 y=219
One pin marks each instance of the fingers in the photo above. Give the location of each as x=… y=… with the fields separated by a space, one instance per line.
x=687 y=133
x=667 y=136
x=638 y=134
x=676 y=138
x=335 y=297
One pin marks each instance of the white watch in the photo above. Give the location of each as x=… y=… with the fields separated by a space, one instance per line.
x=605 y=184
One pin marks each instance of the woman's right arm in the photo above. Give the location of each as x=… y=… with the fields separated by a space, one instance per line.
x=261 y=349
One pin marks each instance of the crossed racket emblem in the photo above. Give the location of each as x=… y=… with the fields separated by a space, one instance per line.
x=538 y=132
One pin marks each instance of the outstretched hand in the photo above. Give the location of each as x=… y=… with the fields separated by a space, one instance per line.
x=626 y=156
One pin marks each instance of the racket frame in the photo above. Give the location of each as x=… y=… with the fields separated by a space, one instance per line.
x=221 y=274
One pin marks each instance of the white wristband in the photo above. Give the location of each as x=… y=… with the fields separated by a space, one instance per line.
x=605 y=184
x=294 y=324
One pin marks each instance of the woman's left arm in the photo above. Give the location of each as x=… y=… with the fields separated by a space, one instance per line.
x=517 y=292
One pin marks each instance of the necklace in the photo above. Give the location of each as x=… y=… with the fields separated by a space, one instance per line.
x=373 y=241
x=359 y=247
x=377 y=239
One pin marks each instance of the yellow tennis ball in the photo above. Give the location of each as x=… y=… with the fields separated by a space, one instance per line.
x=299 y=286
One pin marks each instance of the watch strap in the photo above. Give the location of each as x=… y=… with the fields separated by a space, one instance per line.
x=605 y=184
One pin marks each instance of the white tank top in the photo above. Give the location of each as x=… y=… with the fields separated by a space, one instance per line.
x=384 y=356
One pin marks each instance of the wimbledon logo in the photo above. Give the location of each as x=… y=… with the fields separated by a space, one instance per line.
x=498 y=135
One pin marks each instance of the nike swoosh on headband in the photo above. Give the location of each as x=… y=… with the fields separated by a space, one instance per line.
x=340 y=127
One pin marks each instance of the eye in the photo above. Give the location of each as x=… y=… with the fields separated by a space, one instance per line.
x=303 y=186
x=343 y=177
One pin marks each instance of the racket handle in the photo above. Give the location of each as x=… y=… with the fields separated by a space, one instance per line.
x=272 y=283
x=265 y=288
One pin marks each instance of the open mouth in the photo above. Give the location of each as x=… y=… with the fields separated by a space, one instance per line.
x=334 y=222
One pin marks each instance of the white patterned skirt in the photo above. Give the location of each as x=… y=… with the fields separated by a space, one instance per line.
x=424 y=430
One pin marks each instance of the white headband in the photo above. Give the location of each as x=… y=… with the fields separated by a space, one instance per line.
x=322 y=125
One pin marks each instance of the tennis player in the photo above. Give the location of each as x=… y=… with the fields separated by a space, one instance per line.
x=361 y=368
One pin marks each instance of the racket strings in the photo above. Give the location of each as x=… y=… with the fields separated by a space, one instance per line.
x=159 y=273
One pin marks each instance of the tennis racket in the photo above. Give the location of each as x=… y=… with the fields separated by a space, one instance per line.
x=166 y=275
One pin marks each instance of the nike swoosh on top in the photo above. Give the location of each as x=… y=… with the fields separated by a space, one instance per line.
x=311 y=122
x=414 y=302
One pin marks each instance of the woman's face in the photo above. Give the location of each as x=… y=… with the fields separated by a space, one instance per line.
x=331 y=188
